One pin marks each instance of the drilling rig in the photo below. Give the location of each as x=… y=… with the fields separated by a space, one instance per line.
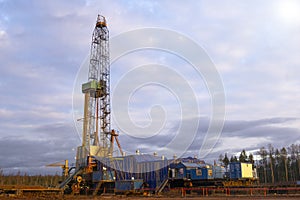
x=96 y=120
x=97 y=136
x=97 y=170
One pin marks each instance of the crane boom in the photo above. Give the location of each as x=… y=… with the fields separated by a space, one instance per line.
x=63 y=164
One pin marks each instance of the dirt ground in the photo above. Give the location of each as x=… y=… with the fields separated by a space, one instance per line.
x=152 y=198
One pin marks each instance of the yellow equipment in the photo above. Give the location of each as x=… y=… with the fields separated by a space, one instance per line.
x=63 y=164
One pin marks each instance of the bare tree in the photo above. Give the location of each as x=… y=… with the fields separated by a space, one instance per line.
x=284 y=158
x=271 y=160
x=263 y=154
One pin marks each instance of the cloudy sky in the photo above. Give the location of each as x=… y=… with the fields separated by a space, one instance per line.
x=44 y=46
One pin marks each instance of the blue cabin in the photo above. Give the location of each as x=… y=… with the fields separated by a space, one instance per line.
x=193 y=171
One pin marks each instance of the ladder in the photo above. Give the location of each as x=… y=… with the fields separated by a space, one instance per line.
x=162 y=186
x=97 y=188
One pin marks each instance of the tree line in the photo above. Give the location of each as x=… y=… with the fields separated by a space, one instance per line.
x=273 y=165
x=25 y=179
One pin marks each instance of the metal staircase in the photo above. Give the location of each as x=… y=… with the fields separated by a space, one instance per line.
x=65 y=182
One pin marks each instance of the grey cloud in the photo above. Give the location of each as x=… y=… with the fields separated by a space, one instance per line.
x=233 y=126
x=44 y=145
x=272 y=128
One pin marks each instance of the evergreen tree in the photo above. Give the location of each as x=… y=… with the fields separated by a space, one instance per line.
x=226 y=161
x=251 y=160
x=243 y=156
x=277 y=165
x=233 y=159
x=295 y=162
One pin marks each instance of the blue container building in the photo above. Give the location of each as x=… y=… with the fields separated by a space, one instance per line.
x=192 y=171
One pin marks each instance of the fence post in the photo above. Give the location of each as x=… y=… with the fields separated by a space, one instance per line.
x=182 y=192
